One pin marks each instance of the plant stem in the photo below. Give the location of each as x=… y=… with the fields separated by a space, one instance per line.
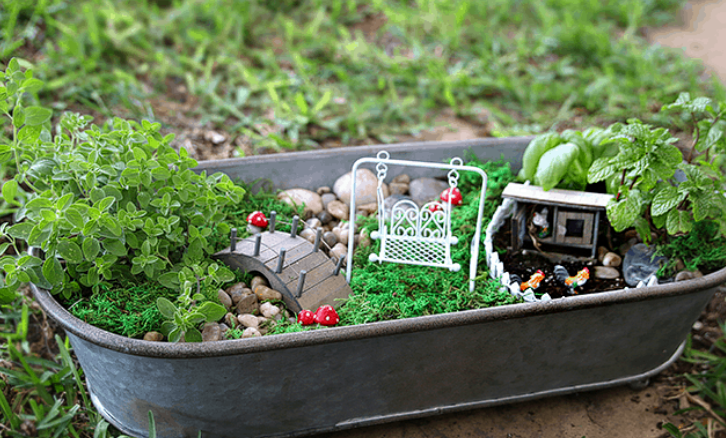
x=695 y=142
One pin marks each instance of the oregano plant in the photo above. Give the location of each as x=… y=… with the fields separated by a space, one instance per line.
x=108 y=204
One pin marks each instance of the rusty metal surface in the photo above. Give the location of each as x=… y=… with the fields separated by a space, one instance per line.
x=341 y=377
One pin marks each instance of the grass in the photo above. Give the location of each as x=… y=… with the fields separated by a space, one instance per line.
x=293 y=75
x=352 y=71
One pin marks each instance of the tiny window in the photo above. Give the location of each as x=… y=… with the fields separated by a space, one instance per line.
x=575 y=227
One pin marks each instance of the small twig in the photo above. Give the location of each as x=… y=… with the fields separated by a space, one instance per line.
x=698 y=136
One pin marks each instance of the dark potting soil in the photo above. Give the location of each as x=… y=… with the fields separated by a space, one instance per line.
x=527 y=263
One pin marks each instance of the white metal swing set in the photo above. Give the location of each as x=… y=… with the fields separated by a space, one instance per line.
x=417 y=236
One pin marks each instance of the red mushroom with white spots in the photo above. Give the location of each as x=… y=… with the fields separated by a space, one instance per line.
x=456 y=198
x=305 y=317
x=326 y=315
x=257 y=219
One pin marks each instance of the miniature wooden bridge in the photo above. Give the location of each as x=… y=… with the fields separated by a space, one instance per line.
x=296 y=268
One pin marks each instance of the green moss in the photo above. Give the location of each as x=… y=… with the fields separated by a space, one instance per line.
x=127 y=311
x=703 y=248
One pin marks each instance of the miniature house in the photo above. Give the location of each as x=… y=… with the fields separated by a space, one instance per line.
x=567 y=220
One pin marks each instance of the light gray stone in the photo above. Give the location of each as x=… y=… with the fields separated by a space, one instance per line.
x=251 y=332
x=366 y=185
x=269 y=310
x=324 y=217
x=398 y=188
x=264 y=293
x=211 y=332
x=611 y=259
x=248 y=304
x=341 y=235
x=338 y=251
x=338 y=210
x=248 y=320
x=308 y=234
x=153 y=336
x=313 y=223
x=313 y=202
x=330 y=238
x=402 y=179
x=606 y=273
x=258 y=280
x=327 y=198
x=225 y=299
x=423 y=190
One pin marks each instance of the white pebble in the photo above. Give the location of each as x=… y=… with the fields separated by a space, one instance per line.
x=269 y=310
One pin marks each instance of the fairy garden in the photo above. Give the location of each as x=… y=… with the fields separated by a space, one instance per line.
x=129 y=238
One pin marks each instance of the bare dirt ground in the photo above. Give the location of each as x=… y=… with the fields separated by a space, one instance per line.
x=619 y=412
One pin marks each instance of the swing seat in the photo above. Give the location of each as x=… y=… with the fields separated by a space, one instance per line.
x=417 y=236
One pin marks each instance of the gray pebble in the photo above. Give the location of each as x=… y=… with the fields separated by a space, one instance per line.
x=325 y=217
x=211 y=332
x=338 y=210
x=330 y=239
x=606 y=273
x=423 y=190
x=154 y=337
x=225 y=299
x=328 y=198
x=611 y=259
x=308 y=234
x=248 y=304
x=313 y=223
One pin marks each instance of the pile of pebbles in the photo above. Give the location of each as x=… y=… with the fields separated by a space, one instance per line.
x=253 y=310
x=329 y=208
x=635 y=262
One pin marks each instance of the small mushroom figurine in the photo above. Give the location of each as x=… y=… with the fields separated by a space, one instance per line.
x=326 y=315
x=456 y=198
x=305 y=317
x=257 y=219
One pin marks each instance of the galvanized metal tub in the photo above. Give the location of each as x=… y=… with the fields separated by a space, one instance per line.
x=342 y=377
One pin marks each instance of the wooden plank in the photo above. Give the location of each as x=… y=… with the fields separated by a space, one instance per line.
x=535 y=194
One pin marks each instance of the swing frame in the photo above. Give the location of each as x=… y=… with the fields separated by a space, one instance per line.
x=383 y=159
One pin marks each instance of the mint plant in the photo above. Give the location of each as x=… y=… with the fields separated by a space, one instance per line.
x=109 y=204
x=650 y=194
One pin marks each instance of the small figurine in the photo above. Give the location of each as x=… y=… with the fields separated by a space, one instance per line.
x=326 y=315
x=533 y=282
x=540 y=220
x=305 y=317
x=573 y=281
x=256 y=222
x=456 y=198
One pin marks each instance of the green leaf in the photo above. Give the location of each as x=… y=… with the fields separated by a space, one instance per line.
x=53 y=271
x=192 y=335
x=115 y=247
x=534 y=151
x=212 y=311
x=169 y=279
x=91 y=248
x=70 y=251
x=621 y=215
x=679 y=221
x=665 y=199
x=21 y=231
x=36 y=115
x=9 y=191
x=554 y=164
x=166 y=307
x=75 y=218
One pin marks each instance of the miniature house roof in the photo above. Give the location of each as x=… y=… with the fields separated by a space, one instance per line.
x=569 y=198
